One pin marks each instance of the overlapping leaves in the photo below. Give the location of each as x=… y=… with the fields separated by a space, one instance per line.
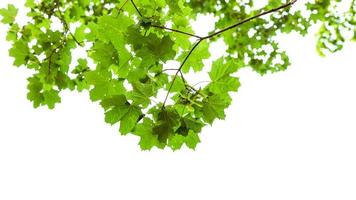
x=130 y=43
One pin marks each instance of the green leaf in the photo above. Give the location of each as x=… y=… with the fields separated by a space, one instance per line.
x=162 y=49
x=122 y=50
x=34 y=91
x=65 y=57
x=141 y=94
x=130 y=119
x=51 y=98
x=189 y=124
x=41 y=96
x=20 y=52
x=178 y=85
x=176 y=142
x=116 y=108
x=221 y=70
x=104 y=54
x=213 y=108
x=9 y=14
x=12 y=34
x=192 y=140
x=168 y=120
x=147 y=139
x=104 y=85
x=220 y=74
x=112 y=29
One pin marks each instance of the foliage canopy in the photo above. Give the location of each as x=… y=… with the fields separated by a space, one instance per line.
x=130 y=41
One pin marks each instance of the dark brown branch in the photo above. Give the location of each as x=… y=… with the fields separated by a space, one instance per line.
x=201 y=39
x=180 y=71
x=170 y=70
x=75 y=39
x=177 y=31
x=137 y=10
x=159 y=26
x=216 y=34
x=251 y=18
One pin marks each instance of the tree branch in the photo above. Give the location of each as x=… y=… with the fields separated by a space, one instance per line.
x=159 y=26
x=123 y=4
x=137 y=10
x=201 y=39
x=49 y=58
x=180 y=71
x=218 y=33
x=65 y=24
x=177 y=31
x=251 y=18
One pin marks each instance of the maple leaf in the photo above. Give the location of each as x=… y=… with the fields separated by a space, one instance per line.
x=220 y=73
x=130 y=119
x=9 y=14
x=20 y=52
x=127 y=45
x=104 y=85
x=116 y=107
x=147 y=139
x=168 y=120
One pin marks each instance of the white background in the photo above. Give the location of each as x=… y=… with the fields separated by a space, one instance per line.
x=289 y=135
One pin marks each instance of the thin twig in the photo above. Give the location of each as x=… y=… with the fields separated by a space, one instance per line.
x=200 y=82
x=177 y=31
x=137 y=10
x=179 y=71
x=169 y=70
x=49 y=58
x=65 y=24
x=159 y=26
x=198 y=92
x=122 y=6
x=184 y=80
x=201 y=39
x=216 y=34
x=66 y=27
x=251 y=18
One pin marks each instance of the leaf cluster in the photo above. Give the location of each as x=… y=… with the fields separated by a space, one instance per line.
x=130 y=42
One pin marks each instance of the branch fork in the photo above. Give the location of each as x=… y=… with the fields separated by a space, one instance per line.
x=201 y=39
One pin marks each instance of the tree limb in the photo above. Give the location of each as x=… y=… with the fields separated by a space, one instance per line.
x=177 y=31
x=179 y=71
x=218 y=33
x=138 y=11
x=251 y=18
x=201 y=39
